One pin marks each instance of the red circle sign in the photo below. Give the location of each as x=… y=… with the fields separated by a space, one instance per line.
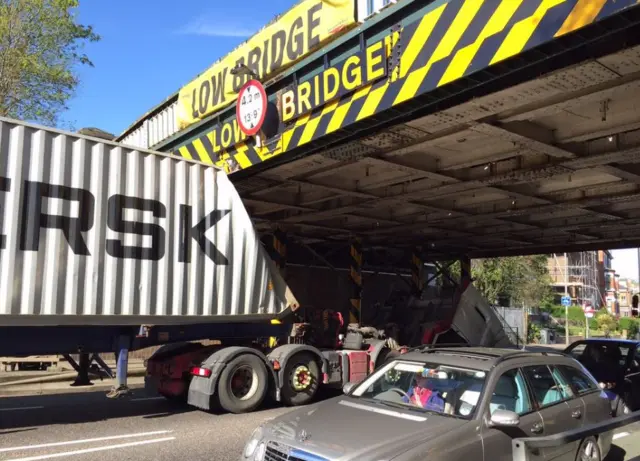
x=251 y=108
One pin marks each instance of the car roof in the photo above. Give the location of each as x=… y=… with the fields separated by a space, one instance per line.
x=631 y=342
x=478 y=358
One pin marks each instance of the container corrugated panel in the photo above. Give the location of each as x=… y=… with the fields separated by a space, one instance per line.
x=96 y=233
x=162 y=125
x=137 y=138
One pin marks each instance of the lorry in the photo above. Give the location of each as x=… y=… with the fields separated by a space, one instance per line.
x=290 y=369
x=105 y=247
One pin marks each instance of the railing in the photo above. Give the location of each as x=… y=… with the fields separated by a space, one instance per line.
x=522 y=448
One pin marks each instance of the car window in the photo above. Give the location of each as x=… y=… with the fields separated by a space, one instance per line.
x=510 y=393
x=578 y=351
x=617 y=354
x=582 y=382
x=562 y=383
x=544 y=387
x=430 y=386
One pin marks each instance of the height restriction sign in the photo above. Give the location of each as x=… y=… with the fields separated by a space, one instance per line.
x=251 y=108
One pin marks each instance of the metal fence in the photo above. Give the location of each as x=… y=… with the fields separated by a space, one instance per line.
x=523 y=448
x=513 y=323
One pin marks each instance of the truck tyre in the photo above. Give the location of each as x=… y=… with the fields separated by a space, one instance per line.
x=301 y=379
x=243 y=384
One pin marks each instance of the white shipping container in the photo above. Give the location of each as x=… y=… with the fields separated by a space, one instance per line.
x=96 y=233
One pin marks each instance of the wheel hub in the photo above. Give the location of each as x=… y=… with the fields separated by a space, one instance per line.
x=589 y=452
x=241 y=382
x=301 y=378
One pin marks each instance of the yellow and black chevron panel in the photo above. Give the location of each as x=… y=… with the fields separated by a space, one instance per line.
x=355 y=277
x=453 y=41
x=449 y=42
x=243 y=155
x=416 y=272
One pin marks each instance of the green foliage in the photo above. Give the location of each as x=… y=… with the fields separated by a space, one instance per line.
x=593 y=324
x=606 y=322
x=575 y=314
x=40 y=49
x=631 y=325
x=533 y=335
x=521 y=279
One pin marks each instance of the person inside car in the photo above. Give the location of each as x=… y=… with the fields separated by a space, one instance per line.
x=424 y=394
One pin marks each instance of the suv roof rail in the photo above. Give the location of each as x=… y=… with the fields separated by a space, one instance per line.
x=454 y=347
x=527 y=353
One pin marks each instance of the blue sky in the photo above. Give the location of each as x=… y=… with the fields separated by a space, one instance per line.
x=150 y=48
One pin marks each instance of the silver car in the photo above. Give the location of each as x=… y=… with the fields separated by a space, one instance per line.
x=457 y=404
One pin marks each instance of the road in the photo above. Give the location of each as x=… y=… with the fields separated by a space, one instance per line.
x=88 y=427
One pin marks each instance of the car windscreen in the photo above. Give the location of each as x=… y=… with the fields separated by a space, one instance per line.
x=428 y=386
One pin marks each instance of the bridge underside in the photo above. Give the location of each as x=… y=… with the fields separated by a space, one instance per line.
x=544 y=166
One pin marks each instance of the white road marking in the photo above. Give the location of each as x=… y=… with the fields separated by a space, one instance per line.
x=20 y=408
x=620 y=435
x=75 y=442
x=141 y=399
x=92 y=450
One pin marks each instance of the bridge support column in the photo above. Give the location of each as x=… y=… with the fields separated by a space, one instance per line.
x=355 y=277
x=417 y=267
x=279 y=256
x=465 y=273
x=279 y=253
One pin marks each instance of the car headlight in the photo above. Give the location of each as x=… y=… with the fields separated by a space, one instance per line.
x=252 y=444
x=260 y=452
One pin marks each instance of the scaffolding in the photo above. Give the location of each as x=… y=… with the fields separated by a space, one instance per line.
x=576 y=275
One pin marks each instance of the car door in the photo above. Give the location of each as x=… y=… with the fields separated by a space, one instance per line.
x=508 y=391
x=560 y=409
x=597 y=407
x=633 y=377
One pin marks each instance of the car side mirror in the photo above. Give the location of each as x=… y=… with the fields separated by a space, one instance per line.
x=348 y=387
x=504 y=418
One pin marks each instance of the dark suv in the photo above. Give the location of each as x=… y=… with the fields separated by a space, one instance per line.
x=615 y=363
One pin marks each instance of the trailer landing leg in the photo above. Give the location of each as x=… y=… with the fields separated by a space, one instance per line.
x=82 y=379
x=121 y=389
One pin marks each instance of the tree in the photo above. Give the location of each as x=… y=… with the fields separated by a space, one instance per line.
x=40 y=49
x=606 y=322
x=520 y=279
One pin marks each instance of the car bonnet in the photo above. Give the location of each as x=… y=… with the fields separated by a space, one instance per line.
x=349 y=428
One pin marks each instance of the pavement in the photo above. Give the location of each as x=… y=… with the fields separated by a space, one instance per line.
x=89 y=427
x=16 y=383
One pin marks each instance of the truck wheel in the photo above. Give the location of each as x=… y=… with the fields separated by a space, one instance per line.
x=243 y=384
x=301 y=379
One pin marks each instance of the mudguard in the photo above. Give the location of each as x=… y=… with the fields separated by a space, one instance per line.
x=283 y=353
x=376 y=346
x=202 y=389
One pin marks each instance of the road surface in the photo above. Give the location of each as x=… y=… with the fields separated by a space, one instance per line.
x=88 y=427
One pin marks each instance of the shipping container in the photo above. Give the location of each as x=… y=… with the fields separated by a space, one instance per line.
x=96 y=233
x=155 y=127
